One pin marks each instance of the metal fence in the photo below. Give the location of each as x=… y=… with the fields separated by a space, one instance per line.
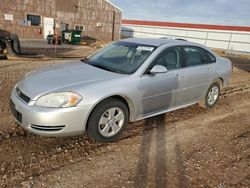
x=222 y=39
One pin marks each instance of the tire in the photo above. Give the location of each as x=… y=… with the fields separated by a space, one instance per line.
x=2 y=47
x=10 y=52
x=211 y=97
x=108 y=120
x=7 y=48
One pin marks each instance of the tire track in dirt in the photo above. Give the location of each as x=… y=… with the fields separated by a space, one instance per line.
x=64 y=151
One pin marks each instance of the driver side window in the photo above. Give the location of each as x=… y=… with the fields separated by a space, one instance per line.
x=169 y=58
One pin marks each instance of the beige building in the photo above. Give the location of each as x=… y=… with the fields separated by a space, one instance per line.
x=34 y=19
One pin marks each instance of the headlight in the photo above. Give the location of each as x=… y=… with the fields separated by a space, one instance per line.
x=59 y=100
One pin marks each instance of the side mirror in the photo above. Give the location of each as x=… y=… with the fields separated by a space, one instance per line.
x=158 y=69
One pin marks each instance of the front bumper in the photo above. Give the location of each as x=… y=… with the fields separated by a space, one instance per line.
x=52 y=122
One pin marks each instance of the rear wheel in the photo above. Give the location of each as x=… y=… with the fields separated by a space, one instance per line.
x=107 y=120
x=211 y=97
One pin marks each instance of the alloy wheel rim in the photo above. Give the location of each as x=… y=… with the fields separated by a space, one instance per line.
x=213 y=95
x=111 y=122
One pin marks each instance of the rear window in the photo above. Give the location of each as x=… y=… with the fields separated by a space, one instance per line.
x=211 y=58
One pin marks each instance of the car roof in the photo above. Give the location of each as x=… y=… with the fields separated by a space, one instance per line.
x=161 y=41
x=157 y=41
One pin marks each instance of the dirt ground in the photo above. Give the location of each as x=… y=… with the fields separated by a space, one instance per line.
x=191 y=147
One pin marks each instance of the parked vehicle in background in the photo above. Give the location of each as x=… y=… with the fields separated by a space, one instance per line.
x=129 y=80
x=9 y=43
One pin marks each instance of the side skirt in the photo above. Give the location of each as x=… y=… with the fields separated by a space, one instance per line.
x=164 y=111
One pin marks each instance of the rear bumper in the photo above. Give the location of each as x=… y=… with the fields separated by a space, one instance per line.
x=52 y=122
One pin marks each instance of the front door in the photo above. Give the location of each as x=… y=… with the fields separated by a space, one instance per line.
x=163 y=91
x=48 y=26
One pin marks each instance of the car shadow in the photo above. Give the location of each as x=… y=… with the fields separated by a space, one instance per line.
x=180 y=160
x=161 y=152
x=141 y=178
x=143 y=163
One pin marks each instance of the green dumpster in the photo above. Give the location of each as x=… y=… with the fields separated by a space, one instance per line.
x=72 y=36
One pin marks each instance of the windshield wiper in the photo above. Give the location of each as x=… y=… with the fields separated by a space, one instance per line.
x=84 y=60
x=102 y=67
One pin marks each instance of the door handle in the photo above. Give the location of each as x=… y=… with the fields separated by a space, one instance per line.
x=210 y=71
x=178 y=76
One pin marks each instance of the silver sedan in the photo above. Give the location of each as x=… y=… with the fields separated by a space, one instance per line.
x=128 y=80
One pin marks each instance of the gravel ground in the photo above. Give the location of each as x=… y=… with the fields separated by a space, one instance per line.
x=190 y=147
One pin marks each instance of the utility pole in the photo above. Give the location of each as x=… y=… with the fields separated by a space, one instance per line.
x=113 y=27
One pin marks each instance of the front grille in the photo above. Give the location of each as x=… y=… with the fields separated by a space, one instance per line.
x=22 y=95
x=47 y=128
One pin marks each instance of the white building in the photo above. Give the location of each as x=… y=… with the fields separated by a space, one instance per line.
x=235 y=38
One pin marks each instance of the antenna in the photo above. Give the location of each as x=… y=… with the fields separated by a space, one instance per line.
x=180 y=39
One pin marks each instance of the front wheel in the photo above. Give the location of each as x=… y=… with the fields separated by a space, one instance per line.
x=7 y=47
x=2 y=47
x=211 y=97
x=107 y=120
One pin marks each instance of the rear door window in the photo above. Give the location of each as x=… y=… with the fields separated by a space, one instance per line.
x=196 y=56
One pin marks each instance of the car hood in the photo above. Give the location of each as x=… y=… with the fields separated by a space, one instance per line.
x=60 y=77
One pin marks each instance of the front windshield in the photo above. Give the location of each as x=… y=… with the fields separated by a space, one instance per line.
x=121 y=57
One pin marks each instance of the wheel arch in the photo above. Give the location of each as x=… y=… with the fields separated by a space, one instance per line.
x=126 y=100
x=220 y=80
x=4 y=39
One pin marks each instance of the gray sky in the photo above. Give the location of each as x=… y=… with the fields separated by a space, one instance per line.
x=226 y=12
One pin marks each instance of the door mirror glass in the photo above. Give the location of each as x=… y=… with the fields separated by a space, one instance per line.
x=158 y=69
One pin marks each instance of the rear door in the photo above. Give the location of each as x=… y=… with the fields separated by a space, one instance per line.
x=198 y=73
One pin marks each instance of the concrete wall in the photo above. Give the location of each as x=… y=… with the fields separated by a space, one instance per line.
x=223 y=37
x=95 y=15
